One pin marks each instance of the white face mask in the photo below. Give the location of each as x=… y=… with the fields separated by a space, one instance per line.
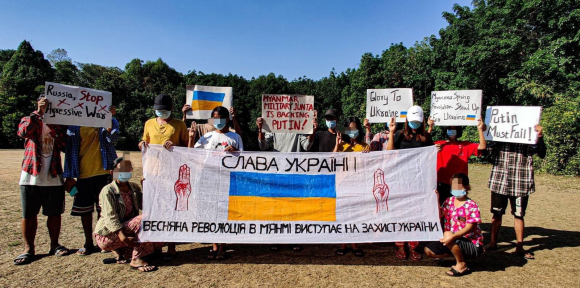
x=163 y=114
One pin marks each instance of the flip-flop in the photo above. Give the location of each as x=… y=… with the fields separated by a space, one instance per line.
x=341 y=252
x=455 y=273
x=526 y=255
x=296 y=248
x=88 y=251
x=401 y=255
x=358 y=252
x=116 y=261
x=416 y=256
x=58 y=249
x=27 y=259
x=144 y=266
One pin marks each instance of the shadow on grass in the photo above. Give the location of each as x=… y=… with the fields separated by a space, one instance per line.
x=383 y=254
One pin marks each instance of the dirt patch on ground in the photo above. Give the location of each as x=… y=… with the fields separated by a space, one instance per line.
x=553 y=233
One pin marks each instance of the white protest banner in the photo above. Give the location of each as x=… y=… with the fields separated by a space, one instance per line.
x=195 y=195
x=288 y=113
x=456 y=107
x=383 y=104
x=203 y=99
x=515 y=124
x=78 y=106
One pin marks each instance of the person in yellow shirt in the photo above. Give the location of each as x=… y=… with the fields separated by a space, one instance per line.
x=167 y=131
x=356 y=143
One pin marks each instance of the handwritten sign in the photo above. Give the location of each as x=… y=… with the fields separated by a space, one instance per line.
x=456 y=107
x=203 y=99
x=288 y=113
x=78 y=106
x=515 y=124
x=383 y=104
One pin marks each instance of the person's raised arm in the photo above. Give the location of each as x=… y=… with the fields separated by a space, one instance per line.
x=338 y=143
x=368 y=134
x=480 y=128
x=184 y=110
x=192 y=133
x=314 y=127
x=237 y=126
x=392 y=130
x=431 y=123
x=261 y=135
x=540 y=145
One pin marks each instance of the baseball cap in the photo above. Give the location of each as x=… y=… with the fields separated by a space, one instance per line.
x=163 y=102
x=415 y=113
x=331 y=112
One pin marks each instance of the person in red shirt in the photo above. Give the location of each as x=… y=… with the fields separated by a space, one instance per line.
x=453 y=156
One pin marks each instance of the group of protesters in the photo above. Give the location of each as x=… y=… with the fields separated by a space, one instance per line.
x=96 y=177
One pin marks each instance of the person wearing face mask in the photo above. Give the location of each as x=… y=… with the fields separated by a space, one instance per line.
x=219 y=139
x=453 y=157
x=118 y=228
x=412 y=136
x=462 y=237
x=325 y=140
x=167 y=131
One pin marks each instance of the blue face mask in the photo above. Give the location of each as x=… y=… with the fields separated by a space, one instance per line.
x=452 y=133
x=458 y=193
x=331 y=124
x=352 y=134
x=163 y=114
x=219 y=124
x=124 y=176
x=414 y=125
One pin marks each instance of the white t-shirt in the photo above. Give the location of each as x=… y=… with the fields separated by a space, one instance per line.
x=43 y=178
x=219 y=141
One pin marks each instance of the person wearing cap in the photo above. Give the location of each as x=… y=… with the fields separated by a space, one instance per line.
x=325 y=140
x=453 y=157
x=89 y=156
x=167 y=131
x=117 y=229
x=41 y=181
x=413 y=135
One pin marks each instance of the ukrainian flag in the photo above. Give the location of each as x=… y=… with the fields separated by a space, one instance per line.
x=470 y=117
x=403 y=114
x=281 y=197
x=204 y=100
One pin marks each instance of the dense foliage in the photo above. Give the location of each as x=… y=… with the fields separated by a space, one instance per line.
x=519 y=52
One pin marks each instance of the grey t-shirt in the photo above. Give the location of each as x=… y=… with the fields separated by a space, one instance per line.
x=285 y=142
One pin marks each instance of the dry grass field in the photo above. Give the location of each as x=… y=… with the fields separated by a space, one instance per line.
x=552 y=233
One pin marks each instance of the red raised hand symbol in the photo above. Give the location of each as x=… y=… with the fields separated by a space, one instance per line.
x=182 y=189
x=381 y=191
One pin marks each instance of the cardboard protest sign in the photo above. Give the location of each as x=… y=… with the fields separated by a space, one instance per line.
x=456 y=107
x=383 y=104
x=203 y=99
x=194 y=195
x=288 y=113
x=78 y=106
x=515 y=124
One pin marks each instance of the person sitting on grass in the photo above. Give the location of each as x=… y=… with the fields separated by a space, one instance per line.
x=462 y=236
x=118 y=228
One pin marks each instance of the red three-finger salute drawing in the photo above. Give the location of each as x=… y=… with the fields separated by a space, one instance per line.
x=381 y=191
x=182 y=189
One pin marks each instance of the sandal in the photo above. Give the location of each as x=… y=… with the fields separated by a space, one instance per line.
x=455 y=273
x=296 y=248
x=116 y=261
x=401 y=254
x=25 y=257
x=143 y=267
x=86 y=251
x=59 y=251
x=415 y=255
x=211 y=255
x=526 y=255
x=358 y=252
x=341 y=252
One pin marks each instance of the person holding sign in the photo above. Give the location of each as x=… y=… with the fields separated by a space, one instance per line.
x=220 y=139
x=325 y=141
x=413 y=136
x=118 y=227
x=167 y=131
x=512 y=179
x=202 y=129
x=453 y=157
x=462 y=238
x=89 y=157
x=41 y=182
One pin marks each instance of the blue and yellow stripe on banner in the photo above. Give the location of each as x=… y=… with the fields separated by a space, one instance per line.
x=403 y=114
x=281 y=197
x=470 y=117
x=204 y=100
